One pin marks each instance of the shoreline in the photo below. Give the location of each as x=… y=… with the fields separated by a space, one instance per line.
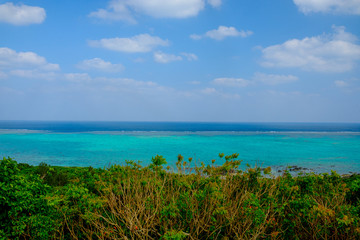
x=276 y=171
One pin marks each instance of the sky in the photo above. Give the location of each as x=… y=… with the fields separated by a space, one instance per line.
x=183 y=60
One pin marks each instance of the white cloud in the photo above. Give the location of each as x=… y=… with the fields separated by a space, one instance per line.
x=337 y=52
x=161 y=57
x=38 y=74
x=21 y=14
x=167 y=9
x=268 y=79
x=117 y=11
x=215 y=3
x=125 y=9
x=222 y=32
x=100 y=65
x=138 y=43
x=110 y=84
x=26 y=65
x=12 y=59
x=129 y=82
x=340 y=83
x=231 y=82
x=273 y=79
x=331 y=6
x=77 y=77
x=190 y=56
x=214 y=92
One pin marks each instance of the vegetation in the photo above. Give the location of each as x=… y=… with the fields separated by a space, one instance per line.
x=196 y=202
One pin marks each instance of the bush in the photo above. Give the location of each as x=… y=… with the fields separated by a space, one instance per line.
x=215 y=202
x=24 y=212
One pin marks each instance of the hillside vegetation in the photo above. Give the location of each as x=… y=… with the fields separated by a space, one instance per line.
x=195 y=202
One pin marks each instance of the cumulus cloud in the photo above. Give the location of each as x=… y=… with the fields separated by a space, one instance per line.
x=125 y=9
x=161 y=57
x=336 y=52
x=116 y=11
x=167 y=9
x=100 y=65
x=10 y=59
x=26 y=65
x=136 y=44
x=221 y=33
x=21 y=14
x=273 y=79
x=231 y=82
x=329 y=6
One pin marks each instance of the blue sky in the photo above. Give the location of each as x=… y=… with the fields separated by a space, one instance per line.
x=185 y=60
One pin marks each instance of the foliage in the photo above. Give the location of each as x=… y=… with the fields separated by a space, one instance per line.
x=23 y=208
x=157 y=163
x=196 y=202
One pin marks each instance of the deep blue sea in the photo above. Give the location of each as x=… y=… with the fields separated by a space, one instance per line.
x=318 y=146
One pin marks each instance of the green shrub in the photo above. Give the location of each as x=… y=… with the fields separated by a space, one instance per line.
x=174 y=235
x=24 y=212
x=157 y=163
x=215 y=202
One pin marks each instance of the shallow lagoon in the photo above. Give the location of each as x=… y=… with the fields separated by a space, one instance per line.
x=319 y=151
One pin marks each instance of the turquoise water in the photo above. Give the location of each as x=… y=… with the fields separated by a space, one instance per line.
x=320 y=151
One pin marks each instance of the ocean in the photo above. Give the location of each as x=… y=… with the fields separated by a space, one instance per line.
x=320 y=147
